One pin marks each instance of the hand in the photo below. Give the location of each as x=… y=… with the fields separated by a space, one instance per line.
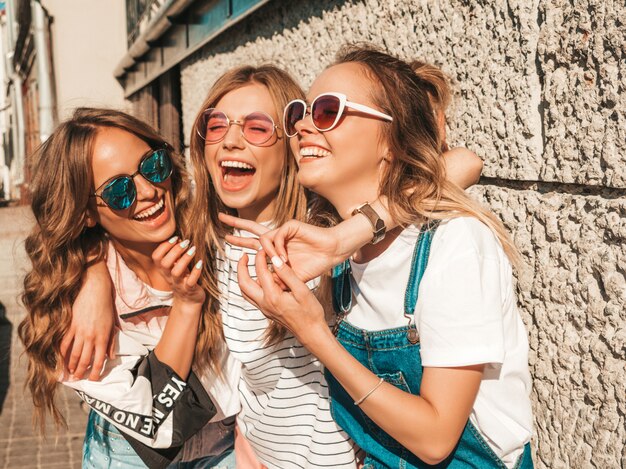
x=173 y=260
x=310 y=250
x=91 y=334
x=298 y=310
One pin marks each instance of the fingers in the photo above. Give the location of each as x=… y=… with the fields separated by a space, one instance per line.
x=246 y=225
x=248 y=286
x=168 y=253
x=280 y=237
x=98 y=361
x=192 y=279
x=181 y=265
x=111 y=347
x=265 y=278
x=86 y=356
x=267 y=243
x=163 y=248
x=67 y=342
x=74 y=358
x=175 y=258
x=289 y=277
x=250 y=243
x=279 y=282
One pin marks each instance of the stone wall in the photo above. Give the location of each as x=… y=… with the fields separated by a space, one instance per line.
x=541 y=97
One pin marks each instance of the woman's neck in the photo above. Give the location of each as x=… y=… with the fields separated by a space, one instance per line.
x=139 y=260
x=260 y=212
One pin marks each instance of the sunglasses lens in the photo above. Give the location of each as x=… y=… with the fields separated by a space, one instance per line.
x=119 y=194
x=324 y=112
x=157 y=167
x=294 y=113
x=215 y=125
x=258 y=128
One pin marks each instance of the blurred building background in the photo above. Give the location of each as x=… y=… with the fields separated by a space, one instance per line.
x=540 y=96
x=58 y=55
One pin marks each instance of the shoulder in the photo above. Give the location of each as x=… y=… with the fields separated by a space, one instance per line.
x=462 y=236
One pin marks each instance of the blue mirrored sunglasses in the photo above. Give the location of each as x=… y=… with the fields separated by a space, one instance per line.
x=120 y=192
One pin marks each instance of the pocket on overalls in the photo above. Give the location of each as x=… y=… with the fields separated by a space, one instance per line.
x=397 y=379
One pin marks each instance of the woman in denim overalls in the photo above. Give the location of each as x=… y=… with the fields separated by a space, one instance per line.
x=427 y=361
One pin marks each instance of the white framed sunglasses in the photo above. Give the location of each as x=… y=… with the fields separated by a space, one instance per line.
x=326 y=111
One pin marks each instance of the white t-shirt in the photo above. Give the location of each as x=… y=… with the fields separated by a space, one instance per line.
x=466 y=314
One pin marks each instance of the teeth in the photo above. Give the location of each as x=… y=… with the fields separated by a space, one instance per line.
x=313 y=151
x=152 y=210
x=236 y=164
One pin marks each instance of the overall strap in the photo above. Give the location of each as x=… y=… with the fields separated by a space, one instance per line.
x=418 y=265
x=342 y=290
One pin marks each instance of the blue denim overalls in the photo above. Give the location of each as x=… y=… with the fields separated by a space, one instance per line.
x=394 y=354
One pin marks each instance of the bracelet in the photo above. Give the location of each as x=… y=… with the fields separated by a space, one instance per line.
x=360 y=401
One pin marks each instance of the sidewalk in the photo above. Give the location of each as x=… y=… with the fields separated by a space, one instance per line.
x=20 y=447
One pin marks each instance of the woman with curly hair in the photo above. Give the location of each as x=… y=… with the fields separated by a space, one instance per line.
x=108 y=189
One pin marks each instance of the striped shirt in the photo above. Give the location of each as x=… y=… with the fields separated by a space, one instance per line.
x=285 y=412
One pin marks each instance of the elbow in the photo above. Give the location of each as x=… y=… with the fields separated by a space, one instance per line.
x=434 y=453
x=477 y=168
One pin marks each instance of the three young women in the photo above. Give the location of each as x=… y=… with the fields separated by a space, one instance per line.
x=242 y=165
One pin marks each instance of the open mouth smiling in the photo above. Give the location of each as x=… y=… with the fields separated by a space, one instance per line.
x=151 y=213
x=236 y=174
x=313 y=152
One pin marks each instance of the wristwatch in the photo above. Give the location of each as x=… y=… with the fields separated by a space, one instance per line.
x=378 y=224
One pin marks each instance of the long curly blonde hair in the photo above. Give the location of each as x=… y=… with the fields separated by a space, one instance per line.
x=61 y=245
x=208 y=232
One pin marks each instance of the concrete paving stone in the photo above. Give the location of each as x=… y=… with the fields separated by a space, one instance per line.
x=73 y=464
x=20 y=445
x=14 y=460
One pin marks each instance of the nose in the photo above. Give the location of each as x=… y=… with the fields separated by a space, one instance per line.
x=234 y=137
x=305 y=125
x=145 y=189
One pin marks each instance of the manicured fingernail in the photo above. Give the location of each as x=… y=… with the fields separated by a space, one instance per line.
x=172 y=240
x=277 y=262
x=184 y=244
x=192 y=251
x=198 y=265
x=260 y=248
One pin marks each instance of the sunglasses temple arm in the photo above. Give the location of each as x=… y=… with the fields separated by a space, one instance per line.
x=368 y=110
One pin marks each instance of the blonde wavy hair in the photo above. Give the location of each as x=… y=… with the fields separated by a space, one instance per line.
x=61 y=245
x=207 y=232
x=414 y=182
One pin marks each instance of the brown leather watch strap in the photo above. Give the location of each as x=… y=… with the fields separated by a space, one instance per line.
x=378 y=224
